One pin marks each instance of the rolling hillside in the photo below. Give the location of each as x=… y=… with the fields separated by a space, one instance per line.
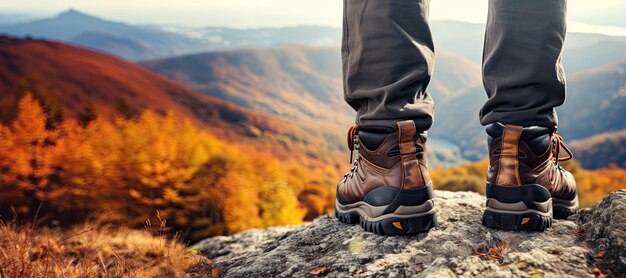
x=77 y=81
x=76 y=77
x=294 y=82
x=304 y=83
x=604 y=149
x=297 y=82
x=595 y=104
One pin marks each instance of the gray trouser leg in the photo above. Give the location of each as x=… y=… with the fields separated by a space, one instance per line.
x=522 y=70
x=387 y=55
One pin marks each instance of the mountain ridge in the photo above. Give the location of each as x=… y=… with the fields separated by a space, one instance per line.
x=456 y=84
x=253 y=78
x=70 y=25
x=297 y=82
x=143 y=42
x=76 y=79
x=302 y=83
x=460 y=38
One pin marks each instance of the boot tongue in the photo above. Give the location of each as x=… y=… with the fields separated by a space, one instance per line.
x=371 y=140
x=372 y=137
x=528 y=133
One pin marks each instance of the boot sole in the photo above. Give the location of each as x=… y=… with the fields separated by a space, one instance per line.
x=397 y=217
x=562 y=208
x=520 y=208
x=393 y=225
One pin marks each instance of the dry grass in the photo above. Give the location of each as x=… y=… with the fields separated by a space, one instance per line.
x=93 y=250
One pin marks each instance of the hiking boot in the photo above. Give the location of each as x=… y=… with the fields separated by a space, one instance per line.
x=388 y=190
x=526 y=187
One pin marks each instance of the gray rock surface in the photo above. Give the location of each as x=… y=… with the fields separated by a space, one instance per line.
x=459 y=246
x=604 y=227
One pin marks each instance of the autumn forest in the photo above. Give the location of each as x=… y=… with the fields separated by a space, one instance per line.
x=128 y=170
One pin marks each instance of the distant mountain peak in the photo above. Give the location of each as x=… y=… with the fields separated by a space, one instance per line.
x=74 y=14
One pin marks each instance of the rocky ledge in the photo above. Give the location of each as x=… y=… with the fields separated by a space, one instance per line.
x=590 y=243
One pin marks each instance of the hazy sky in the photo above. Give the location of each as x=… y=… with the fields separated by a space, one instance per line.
x=255 y=13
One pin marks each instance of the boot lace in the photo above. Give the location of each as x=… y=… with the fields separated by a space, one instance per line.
x=353 y=145
x=557 y=140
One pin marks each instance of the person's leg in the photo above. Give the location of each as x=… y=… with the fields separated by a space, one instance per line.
x=387 y=63
x=387 y=56
x=522 y=70
x=524 y=79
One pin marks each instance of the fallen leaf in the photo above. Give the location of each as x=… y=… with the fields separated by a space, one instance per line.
x=318 y=270
x=597 y=273
x=579 y=232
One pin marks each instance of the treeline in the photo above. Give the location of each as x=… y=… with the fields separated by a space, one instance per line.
x=124 y=170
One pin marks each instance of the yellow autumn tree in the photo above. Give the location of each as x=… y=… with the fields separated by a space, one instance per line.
x=277 y=200
x=31 y=154
x=153 y=167
x=8 y=178
x=279 y=205
x=88 y=160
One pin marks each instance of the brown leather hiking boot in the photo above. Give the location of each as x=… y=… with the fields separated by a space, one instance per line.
x=526 y=187
x=388 y=190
